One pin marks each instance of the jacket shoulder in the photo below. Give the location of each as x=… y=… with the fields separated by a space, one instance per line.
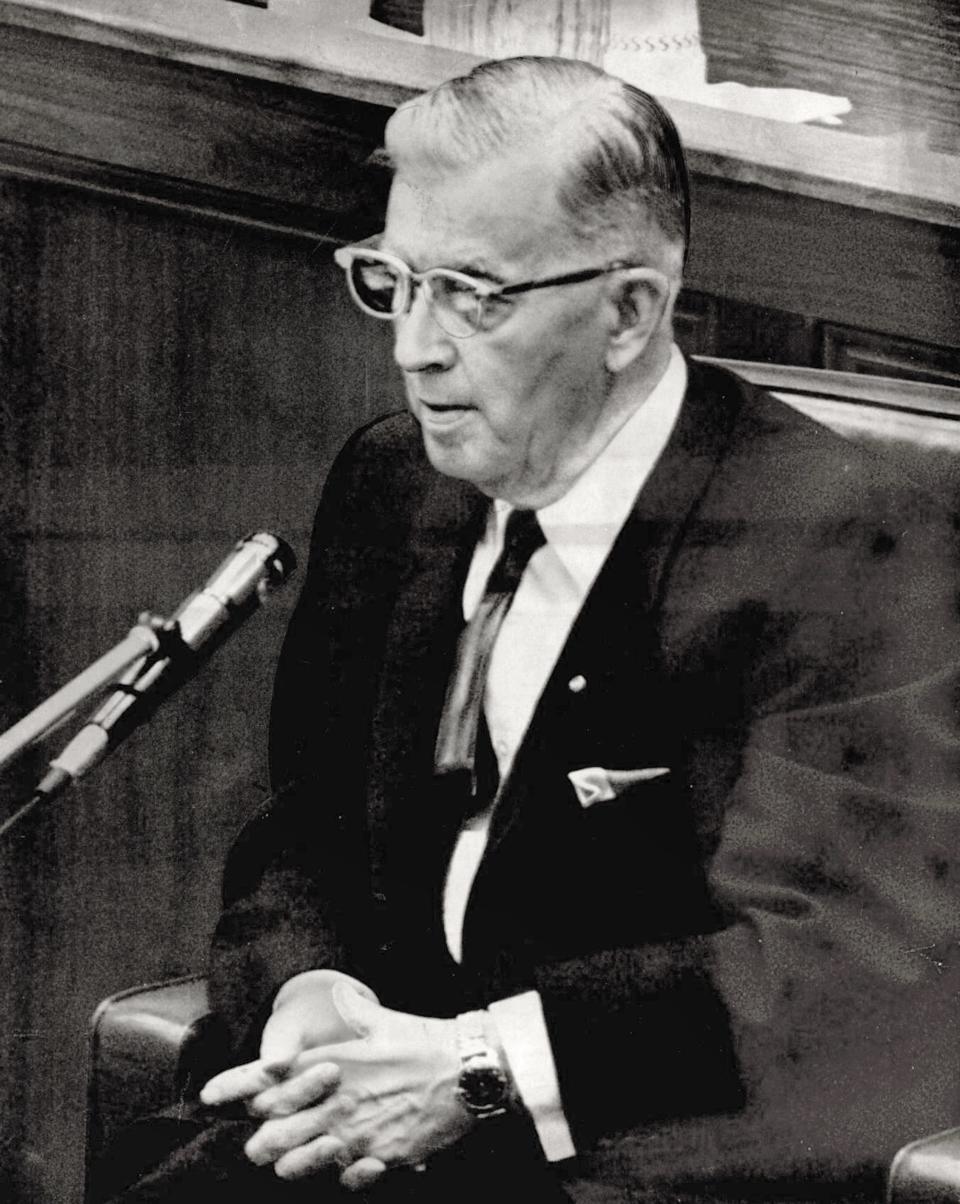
x=379 y=470
x=391 y=442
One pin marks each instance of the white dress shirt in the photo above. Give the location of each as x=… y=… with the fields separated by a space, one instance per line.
x=580 y=529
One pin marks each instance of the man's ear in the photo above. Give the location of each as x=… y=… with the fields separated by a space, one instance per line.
x=641 y=298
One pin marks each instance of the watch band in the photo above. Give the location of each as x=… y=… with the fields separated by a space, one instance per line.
x=484 y=1087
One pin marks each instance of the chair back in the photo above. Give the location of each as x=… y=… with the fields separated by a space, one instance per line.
x=913 y=424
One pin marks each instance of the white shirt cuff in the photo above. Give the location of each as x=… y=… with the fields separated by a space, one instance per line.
x=523 y=1034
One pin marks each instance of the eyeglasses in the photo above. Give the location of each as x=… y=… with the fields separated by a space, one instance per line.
x=382 y=285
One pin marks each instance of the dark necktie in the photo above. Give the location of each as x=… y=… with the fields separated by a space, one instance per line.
x=462 y=717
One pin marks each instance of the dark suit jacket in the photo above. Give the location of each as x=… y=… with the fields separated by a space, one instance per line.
x=747 y=967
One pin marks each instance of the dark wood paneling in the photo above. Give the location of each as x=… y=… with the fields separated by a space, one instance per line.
x=170 y=384
x=799 y=255
x=696 y=318
x=401 y=14
x=188 y=134
x=896 y=62
x=711 y=325
x=19 y=399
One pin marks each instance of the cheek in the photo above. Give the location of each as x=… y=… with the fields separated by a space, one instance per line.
x=564 y=389
x=529 y=391
x=504 y=388
x=518 y=416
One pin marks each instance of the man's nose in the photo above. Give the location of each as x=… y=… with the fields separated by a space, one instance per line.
x=419 y=344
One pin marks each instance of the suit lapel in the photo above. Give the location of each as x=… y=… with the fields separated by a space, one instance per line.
x=420 y=641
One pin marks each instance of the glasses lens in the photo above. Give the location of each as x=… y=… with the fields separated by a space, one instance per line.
x=457 y=306
x=377 y=284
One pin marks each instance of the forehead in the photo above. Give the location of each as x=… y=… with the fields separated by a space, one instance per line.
x=499 y=217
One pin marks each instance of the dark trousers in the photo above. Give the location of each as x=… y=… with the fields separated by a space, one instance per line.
x=189 y=1156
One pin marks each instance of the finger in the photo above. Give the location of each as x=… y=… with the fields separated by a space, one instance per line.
x=300 y=1091
x=313 y=1156
x=362 y=1173
x=238 y=1083
x=282 y=1038
x=279 y=1135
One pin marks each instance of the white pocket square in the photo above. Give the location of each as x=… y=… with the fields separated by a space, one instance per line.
x=596 y=785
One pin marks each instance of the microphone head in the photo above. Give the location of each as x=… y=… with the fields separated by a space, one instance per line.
x=258 y=565
x=254 y=570
x=280 y=561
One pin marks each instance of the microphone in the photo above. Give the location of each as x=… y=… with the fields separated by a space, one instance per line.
x=257 y=566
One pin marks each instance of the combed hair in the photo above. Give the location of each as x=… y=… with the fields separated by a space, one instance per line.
x=621 y=157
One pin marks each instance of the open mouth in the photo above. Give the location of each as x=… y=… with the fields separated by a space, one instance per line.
x=443 y=412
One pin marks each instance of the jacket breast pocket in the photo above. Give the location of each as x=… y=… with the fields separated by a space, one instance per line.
x=639 y=860
x=593 y=784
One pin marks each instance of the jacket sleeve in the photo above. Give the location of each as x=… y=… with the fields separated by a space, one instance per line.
x=294 y=885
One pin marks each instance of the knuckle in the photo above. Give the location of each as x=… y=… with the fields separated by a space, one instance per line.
x=260 y=1105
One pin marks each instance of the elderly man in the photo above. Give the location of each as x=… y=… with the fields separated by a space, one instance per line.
x=612 y=850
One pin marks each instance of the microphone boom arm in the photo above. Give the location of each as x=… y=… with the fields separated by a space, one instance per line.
x=142 y=641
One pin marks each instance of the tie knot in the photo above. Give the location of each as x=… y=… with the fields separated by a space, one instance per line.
x=522 y=536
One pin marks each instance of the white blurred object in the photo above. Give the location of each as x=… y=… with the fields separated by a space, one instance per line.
x=654 y=44
x=501 y=28
x=780 y=104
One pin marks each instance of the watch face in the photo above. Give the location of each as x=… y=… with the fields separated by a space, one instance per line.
x=483 y=1088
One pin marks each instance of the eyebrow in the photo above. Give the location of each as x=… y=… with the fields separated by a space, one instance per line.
x=477 y=270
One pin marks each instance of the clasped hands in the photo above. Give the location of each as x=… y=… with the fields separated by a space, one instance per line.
x=342 y=1082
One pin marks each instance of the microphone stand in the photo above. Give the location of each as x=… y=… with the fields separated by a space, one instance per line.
x=144 y=640
x=156 y=658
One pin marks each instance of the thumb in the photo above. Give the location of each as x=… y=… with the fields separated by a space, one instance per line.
x=356 y=1011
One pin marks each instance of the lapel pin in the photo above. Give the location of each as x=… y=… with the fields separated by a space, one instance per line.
x=577 y=684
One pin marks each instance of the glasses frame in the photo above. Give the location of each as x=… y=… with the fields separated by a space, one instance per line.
x=408 y=279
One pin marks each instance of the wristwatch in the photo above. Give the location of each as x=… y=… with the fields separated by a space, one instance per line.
x=484 y=1087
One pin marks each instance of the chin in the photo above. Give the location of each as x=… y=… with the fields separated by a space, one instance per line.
x=454 y=460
